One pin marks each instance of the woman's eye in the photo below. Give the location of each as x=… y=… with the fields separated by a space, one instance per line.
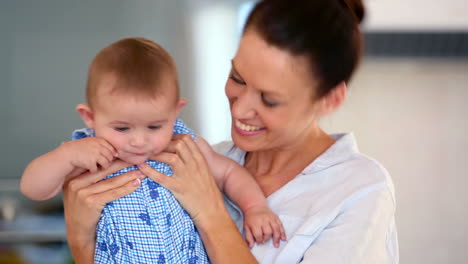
x=154 y=127
x=268 y=102
x=121 y=129
x=236 y=80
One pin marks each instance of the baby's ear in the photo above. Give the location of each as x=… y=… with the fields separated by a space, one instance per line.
x=86 y=114
x=182 y=102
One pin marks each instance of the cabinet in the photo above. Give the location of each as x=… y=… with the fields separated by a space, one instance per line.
x=31 y=232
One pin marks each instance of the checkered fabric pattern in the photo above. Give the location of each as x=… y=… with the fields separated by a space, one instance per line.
x=148 y=225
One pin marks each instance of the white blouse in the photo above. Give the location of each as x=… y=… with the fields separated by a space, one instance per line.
x=340 y=209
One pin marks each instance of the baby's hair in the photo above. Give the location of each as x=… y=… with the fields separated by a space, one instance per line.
x=140 y=67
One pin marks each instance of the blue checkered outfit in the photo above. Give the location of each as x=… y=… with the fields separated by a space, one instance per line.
x=148 y=225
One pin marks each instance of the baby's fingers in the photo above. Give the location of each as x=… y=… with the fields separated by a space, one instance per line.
x=267 y=232
x=108 y=154
x=92 y=167
x=276 y=238
x=104 y=162
x=249 y=236
x=257 y=233
x=282 y=232
x=109 y=148
x=278 y=232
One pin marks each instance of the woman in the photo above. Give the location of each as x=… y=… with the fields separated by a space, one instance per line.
x=291 y=69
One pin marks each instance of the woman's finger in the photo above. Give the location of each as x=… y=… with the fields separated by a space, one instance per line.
x=113 y=183
x=195 y=151
x=193 y=188
x=115 y=193
x=185 y=147
x=114 y=167
x=179 y=147
x=170 y=158
x=164 y=180
x=90 y=178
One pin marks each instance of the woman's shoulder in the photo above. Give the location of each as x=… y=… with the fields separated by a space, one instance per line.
x=344 y=165
x=345 y=152
x=367 y=171
x=369 y=166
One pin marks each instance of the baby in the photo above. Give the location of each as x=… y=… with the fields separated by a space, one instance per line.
x=131 y=114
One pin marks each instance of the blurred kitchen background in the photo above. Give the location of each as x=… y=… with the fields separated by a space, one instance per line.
x=406 y=105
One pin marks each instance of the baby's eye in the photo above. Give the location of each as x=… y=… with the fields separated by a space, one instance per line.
x=121 y=129
x=154 y=127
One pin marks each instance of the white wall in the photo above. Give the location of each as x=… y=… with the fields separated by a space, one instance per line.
x=46 y=47
x=411 y=115
x=213 y=33
x=416 y=15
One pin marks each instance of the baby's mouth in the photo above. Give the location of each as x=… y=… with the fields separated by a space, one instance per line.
x=130 y=153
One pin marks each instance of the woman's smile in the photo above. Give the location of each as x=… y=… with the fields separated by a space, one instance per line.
x=247 y=130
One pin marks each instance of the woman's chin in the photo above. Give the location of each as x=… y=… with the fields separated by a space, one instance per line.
x=241 y=143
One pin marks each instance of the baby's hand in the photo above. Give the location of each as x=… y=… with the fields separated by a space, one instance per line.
x=260 y=224
x=90 y=153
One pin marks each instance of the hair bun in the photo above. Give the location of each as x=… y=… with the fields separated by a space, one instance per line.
x=356 y=7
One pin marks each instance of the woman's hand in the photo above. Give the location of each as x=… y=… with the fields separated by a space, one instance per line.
x=196 y=190
x=84 y=198
x=192 y=182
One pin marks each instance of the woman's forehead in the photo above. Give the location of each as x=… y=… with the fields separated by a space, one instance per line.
x=269 y=68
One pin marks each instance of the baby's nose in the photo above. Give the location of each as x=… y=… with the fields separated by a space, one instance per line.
x=137 y=141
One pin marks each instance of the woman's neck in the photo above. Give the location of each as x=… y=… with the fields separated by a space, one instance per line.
x=273 y=168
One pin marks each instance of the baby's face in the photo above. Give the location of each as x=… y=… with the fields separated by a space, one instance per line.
x=137 y=128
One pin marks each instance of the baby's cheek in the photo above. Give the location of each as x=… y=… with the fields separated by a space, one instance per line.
x=161 y=143
x=118 y=143
x=158 y=149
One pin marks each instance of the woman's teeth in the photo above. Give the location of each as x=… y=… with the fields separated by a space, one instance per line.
x=247 y=127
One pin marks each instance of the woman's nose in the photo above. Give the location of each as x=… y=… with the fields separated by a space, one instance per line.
x=242 y=106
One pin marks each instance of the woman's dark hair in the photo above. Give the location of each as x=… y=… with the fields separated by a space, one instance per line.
x=325 y=31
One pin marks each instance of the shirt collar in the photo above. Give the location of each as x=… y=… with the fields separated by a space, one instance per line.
x=83 y=133
x=342 y=150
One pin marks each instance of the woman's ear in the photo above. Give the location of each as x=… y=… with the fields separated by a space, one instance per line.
x=182 y=102
x=334 y=99
x=86 y=114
